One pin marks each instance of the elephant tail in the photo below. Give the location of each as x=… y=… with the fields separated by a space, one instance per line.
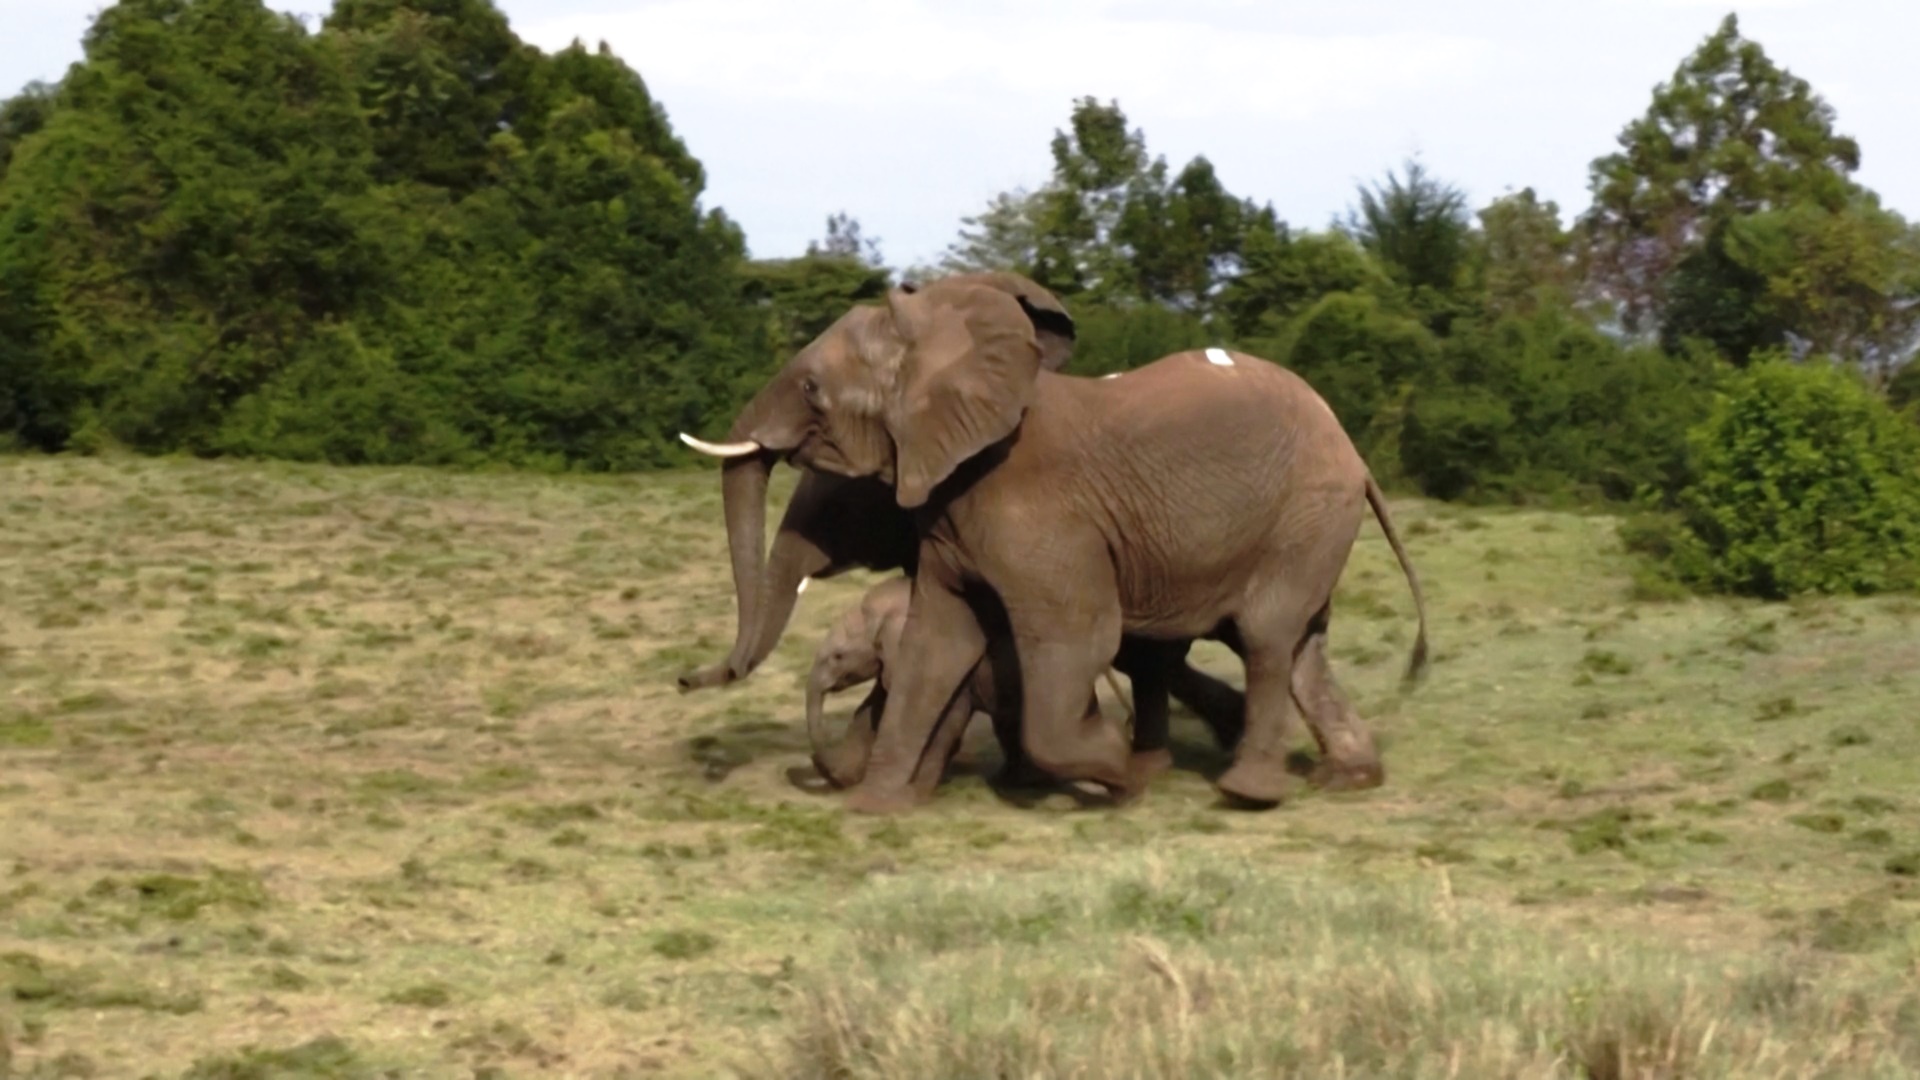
x=1417 y=664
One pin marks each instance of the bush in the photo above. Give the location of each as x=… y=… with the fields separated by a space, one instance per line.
x=1804 y=481
x=1544 y=404
x=1109 y=339
x=1360 y=354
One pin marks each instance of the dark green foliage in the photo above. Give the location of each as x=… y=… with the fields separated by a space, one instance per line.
x=408 y=238
x=1284 y=272
x=1903 y=388
x=1358 y=354
x=436 y=78
x=1526 y=257
x=1420 y=233
x=1805 y=481
x=802 y=297
x=1546 y=403
x=22 y=115
x=1119 y=338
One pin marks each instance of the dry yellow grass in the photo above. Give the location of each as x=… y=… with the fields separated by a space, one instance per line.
x=328 y=772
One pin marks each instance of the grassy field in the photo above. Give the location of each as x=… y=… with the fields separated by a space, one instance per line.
x=312 y=772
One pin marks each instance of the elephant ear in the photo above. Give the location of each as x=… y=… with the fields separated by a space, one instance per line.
x=1052 y=326
x=964 y=383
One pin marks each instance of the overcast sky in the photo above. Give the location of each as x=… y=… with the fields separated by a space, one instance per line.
x=910 y=114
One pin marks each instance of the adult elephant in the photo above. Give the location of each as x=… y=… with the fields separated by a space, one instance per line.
x=834 y=523
x=1200 y=496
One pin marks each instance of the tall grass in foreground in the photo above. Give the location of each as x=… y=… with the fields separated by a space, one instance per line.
x=1151 y=968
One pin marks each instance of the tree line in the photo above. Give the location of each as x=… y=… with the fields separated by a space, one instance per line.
x=407 y=236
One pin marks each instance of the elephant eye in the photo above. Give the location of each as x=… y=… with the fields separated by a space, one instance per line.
x=809 y=387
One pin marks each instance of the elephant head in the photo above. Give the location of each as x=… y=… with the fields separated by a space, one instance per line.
x=853 y=409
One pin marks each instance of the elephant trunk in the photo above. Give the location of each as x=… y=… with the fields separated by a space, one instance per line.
x=817 y=685
x=790 y=564
x=743 y=488
x=766 y=428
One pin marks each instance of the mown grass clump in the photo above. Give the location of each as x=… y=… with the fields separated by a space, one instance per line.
x=35 y=983
x=324 y=1058
x=1147 y=968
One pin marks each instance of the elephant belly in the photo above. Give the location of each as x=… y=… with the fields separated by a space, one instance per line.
x=1155 y=607
x=1185 y=574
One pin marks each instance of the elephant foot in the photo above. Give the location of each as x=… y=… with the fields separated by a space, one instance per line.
x=1257 y=783
x=1345 y=776
x=1147 y=764
x=866 y=799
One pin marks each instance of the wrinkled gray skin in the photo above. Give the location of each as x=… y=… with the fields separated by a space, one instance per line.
x=1204 y=495
x=835 y=523
x=858 y=649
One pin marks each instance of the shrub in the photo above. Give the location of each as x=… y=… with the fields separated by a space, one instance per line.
x=1109 y=339
x=1804 y=481
x=1544 y=404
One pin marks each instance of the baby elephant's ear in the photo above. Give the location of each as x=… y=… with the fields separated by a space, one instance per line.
x=1052 y=325
x=971 y=360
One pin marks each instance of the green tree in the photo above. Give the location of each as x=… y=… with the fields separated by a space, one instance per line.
x=1095 y=163
x=1111 y=225
x=1004 y=236
x=1843 y=282
x=1362 y=356
x=1182 y=238
x=1284 y=272
x=800 y=298
x=845 y=240
x=1527 y=256
x=232 y=236
x=1731 y=134
x=1419 y=231
x=438 y=79
x=21 y=116
x=182 y=222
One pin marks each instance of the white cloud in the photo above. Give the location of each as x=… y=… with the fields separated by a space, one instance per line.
x=848 y=52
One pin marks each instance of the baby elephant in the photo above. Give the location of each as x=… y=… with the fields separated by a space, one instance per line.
x=859 y=649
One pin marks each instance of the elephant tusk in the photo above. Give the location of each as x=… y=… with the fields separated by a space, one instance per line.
x=724 y=450
x=803 y=586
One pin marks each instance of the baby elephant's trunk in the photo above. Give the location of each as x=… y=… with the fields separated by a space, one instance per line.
x=817 y=685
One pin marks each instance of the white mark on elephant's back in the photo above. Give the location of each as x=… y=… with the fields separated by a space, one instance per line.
x=1115 y=375
x=1220 y=357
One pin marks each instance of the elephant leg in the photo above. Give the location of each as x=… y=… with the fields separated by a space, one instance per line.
x=1064 y=642
x=1148 y=669
x=946 y=743
x=1062 y=735
x=1017 y=770
x=1349 y=760
x=940 y=645
x=845 y=762
x=1259 y=774
x=1343 y=737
